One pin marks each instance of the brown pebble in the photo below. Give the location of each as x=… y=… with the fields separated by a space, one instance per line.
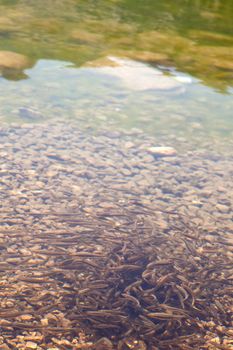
x=31 y=345
x=222 y=208
x=4 y=347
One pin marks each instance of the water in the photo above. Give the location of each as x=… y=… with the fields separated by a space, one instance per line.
x=101 y=235
x=67 y=48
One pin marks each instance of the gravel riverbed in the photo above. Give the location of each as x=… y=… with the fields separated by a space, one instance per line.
x=106 y=244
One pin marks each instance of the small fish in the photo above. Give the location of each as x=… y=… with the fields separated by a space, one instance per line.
x=165 y=316
x=132 y=299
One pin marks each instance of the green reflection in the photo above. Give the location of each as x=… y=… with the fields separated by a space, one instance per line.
x=194 y=36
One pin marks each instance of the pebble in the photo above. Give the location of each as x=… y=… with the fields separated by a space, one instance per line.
x=222 y=208
x=4 y=347
x=129 y=145
x=196 y=125
x=162 y=151
x=31 y=345
x=25 y=317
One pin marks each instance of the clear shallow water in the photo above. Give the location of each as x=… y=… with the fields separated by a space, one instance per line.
x=67 y=44
x=174 y=84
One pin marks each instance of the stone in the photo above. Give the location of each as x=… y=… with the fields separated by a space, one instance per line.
x=25 y=317
x=30 y=114
x=4 y=347
x=222 y=208
x=13 y=60
x=196 y=125
x=162 y=151
x=129 y=144
x=31 y=345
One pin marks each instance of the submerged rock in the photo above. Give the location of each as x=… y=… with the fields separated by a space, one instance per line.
x=30 y=114
x=162 y=151
x=222 y=208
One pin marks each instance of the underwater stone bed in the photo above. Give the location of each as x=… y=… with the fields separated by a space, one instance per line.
x=105 y=246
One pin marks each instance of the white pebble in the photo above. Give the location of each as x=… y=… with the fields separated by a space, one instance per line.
x=162 y=151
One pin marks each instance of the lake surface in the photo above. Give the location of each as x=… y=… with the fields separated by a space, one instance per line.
x=70 y=74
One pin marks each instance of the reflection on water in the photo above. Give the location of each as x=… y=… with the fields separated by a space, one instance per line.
x=195 y=37
x=54 y=63
x=61 y=48
x=132 y=96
